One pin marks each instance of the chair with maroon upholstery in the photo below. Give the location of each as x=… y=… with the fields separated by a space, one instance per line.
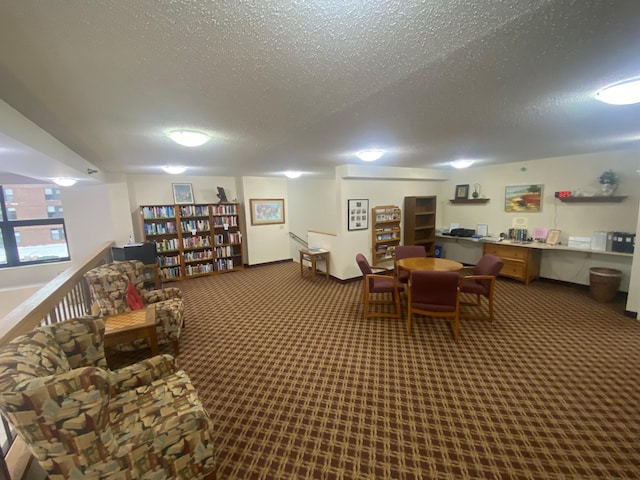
x=434 y=294
x=376 y=285
x=406 y=251
x=481 y=283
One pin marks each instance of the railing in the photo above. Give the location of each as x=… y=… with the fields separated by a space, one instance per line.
x=64 y=297
x=298 y=239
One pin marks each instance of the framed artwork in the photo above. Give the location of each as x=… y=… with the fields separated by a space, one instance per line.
x=358 y=214
x=553 y=237
x=266 y=211
x=523 y=198
x=462 y=192
x=182 y=193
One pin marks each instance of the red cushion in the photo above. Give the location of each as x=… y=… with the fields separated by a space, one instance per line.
x=133 y=298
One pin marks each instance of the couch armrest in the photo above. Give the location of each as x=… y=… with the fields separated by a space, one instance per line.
x=57 y=409
x=154 y=296
x=81 y=339
x=142 y=373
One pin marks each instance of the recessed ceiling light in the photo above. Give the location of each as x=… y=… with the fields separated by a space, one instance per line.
x=462 y=163
x=174 y=169
x=64 y=181
x=292 y=173
x=189 y=138
x=370 y=155
x=626 y=92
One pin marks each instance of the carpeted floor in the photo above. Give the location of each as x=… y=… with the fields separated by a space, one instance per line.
x=300 y=386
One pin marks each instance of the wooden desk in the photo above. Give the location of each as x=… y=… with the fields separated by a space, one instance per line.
x=312 y=257
x=130 y=326
x=428 y=263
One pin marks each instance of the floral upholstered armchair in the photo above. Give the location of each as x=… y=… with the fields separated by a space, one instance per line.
x=119 y=287
x=81 y=420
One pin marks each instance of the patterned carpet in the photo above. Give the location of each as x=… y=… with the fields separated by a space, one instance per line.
x=300 y=386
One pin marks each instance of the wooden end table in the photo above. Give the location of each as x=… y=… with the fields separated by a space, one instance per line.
x=130 y=326
x=312 y=256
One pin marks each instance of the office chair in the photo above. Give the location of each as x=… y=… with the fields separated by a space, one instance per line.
x=434 y=294
x=375 y=285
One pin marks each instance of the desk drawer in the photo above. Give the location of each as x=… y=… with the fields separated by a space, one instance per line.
x=514 y=270
x=507 y=251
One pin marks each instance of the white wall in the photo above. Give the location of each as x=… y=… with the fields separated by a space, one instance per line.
x=266 y=243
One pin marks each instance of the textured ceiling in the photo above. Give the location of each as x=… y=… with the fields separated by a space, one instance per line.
x=302 y=84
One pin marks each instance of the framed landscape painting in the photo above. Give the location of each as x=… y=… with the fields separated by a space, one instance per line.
x=523 y=198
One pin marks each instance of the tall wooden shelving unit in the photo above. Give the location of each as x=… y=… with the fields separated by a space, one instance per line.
x=420 y=222
x=194 y=240
x=385 y=233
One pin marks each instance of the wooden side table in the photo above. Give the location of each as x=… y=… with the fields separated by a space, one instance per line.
x=130 y=326
x=313 y=256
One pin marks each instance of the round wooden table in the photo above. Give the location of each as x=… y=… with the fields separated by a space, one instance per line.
x=428 y=263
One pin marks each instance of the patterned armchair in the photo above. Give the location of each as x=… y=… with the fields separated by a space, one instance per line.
x=81 y=420
x=109 y=286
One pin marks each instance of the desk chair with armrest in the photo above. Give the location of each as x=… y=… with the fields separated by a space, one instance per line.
x=376 y=285
x=481 y=283
x=406 y=251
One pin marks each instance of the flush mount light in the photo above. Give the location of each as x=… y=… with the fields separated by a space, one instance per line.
x=626 y=92
x=188 y=138
x=64 y=181
x=370 y=155
x=462 y=163
x=174 y=169
x=292 y=174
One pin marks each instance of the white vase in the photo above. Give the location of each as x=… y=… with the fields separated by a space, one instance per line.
x=609 y=189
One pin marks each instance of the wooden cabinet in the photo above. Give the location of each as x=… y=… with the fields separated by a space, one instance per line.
x=194 y=240
x=520 y=262
x=385 y=233
x=420 y=222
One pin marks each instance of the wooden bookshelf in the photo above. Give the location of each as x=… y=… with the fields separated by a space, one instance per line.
x=385 y=233
x=420 y=222
x=194 y=240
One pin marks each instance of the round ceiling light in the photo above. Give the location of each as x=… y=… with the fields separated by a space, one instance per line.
x=189 y=138
x=174 y=169
x=626 y=92
x=462 y=163
x=292 y=174
x=370 y=155
x=64 y=181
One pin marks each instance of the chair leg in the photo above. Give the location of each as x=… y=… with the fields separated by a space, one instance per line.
x=365 y=302
x=490 y=308
x=396 y=298
x=409 y=319
x=176 y=348
x=455 y=327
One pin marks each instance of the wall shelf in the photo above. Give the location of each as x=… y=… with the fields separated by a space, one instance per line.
x=610 y=199
x=469 y=200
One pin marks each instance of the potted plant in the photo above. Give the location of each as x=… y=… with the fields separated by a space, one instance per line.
x=609 y=182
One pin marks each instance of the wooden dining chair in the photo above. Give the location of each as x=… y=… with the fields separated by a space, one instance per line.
x=375 y=287
x=434 y=294
x=406 y=251
x=481 y=284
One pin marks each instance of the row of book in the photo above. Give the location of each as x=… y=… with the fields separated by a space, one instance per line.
x=228 y=251
x=169 y=261
x=167 y=245
x=196 y=241
x=231 y=209
x=518 y=234
x=224 y=264
x=225 y=220
x=198 y=269
x=227 y=237
x=163 y=228
x=171 y=273
x=197 y=225
x=198 y=255
x=158 y=212
x=194 y=211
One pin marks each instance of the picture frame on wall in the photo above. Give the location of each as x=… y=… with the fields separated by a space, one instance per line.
x=462 y=192
x=358 y=214
x=523 y=198
x=182 y=193
x=266 y=211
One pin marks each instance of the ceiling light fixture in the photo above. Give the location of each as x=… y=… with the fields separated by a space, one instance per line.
x=292 y=173
x=626 y=92
x=189 y=138
x=370 y=155
x=174 y=169
x=64 y=181
x=462 y=163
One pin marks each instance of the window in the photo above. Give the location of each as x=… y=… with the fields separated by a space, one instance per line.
x=32 y=226
x=54 y=211
x=51 y=194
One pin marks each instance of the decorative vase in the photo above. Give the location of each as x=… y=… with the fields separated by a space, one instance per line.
x=609 y=189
